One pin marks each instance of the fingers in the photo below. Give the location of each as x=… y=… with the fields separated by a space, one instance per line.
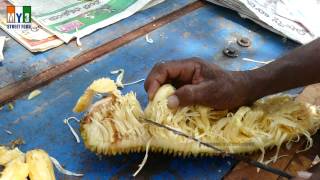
x=155 y=79
x=173 y=102
x=185 y=96
x=205 y=94
x=178 y=71
x=152 y=88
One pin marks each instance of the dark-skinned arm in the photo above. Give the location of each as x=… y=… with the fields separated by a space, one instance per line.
x=199 y=82
x=299 y=67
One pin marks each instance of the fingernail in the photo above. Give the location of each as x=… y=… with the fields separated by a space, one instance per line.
x=173 y=102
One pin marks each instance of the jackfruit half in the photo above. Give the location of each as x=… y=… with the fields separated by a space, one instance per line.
x=115 y=125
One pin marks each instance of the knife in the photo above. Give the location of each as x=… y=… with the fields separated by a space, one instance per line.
x=225 y=154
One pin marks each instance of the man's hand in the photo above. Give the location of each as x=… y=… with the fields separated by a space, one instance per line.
x=199 y=82
x=206 y=84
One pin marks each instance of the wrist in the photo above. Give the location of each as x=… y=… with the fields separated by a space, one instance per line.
x=251 y=85
x=259 y=83
x=246 y=86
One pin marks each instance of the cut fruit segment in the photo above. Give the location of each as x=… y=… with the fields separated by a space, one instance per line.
x=40 y=165
x=112 y=126
x=103 y=85
x=7 y=155
x=15 y=170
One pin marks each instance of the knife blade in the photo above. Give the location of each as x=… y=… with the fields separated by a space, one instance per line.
x=226 y=154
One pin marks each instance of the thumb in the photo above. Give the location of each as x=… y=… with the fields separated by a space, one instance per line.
x=185 y=96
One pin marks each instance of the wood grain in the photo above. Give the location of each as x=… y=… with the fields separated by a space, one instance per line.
x=303 y=161
x=13 y=91
x=243 y=171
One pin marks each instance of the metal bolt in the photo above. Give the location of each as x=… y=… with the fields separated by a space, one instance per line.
x=244 y=42
x=231 y=52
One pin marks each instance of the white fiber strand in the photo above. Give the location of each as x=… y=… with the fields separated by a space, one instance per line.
x=134 y=82
x=120 y=77
x=261 y=62
x=149 y=40
x=62 y=170
x=66 y=121
x=144 y=159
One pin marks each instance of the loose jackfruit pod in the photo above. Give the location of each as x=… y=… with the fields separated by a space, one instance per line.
x=112 y=126
x=15 y=170
x=103 y=85
x=7 y=155
x=40 y=165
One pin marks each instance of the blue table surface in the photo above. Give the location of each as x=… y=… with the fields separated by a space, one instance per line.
x=202 y=33
x=19 y=63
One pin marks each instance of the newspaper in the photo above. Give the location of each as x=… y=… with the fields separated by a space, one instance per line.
x=289 y=18
x=35 y=39
x=70 y=19
x=152 y=3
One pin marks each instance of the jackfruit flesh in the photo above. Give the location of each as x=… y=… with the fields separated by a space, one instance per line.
x=112 y=126
x=7 y=155
x=40 y=165
x=115 y=125
x=16 y=169
x=103 y=85
x=34 y=165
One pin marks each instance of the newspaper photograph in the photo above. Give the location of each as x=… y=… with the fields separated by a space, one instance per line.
x=70 y=19
x=35 y=39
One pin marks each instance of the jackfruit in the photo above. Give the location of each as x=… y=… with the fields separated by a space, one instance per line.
x=7 y=155
x=16 y=169
x=40 y=165
x=115 y=125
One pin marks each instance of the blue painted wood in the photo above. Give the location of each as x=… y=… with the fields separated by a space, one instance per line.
x=20 y=63
x=203 y=33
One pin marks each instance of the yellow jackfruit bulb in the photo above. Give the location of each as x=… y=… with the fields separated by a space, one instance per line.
x=7 y=155
x=40 y=165
x=160 y=98
x=84 y=102
x=16 y=169
x=103 y=85
x=164 y=92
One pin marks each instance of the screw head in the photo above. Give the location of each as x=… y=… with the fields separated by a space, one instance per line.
x=244 y=42
x=231 y=52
